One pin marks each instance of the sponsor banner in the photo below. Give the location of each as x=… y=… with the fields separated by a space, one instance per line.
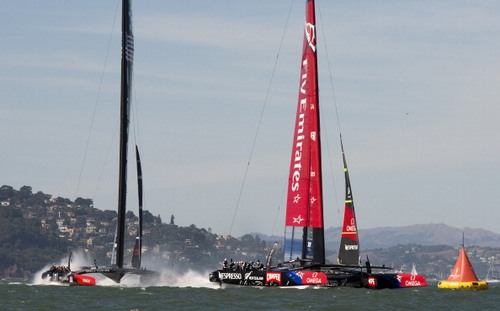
x=411 y=280
x=230 y=276
x=308 y=277
x=273 y=278
x=372 y=282
x=313 y=278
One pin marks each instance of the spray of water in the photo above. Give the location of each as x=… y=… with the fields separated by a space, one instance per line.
x=168 y=277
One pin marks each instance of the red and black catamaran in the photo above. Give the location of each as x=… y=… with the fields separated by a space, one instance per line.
x=304 y=238
x=304 y=244
x=117 y=270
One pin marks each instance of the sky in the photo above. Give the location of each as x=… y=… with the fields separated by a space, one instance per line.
x=415 y=85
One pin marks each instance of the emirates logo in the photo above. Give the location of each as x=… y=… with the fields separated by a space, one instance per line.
x=311 y=36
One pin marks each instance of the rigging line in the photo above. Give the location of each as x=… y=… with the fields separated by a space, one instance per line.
x=278 y=210
x=135 y=115
x=336 y=111
x=136 y=131
x=137 y=135
x=99 y=91
x=329 y=70
x=134 y=120
x=106 y=157
x=260 y=119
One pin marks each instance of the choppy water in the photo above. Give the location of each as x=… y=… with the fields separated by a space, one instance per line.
x=202 y=295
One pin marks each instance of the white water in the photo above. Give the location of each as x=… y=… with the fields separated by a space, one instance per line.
x=167 y=278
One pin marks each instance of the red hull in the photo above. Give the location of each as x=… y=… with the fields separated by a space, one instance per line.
x=395 y=280
x=80 y=279
x=411 y=280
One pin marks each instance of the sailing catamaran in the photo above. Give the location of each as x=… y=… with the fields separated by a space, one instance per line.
x=63 y=275
x=304 y=233
x=304 y=245
x=117 y=270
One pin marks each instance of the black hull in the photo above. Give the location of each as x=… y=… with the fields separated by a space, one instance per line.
x=346 y=278
x=274 y=277
x=116 y=274
x=320 y=275
x=361 y=279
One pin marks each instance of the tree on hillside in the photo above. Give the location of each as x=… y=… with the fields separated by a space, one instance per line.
x=130 y=215
x=147 y=217
x=6 y=192
x=84 y=202
x=37 y=199
x=62 y=201
x=25 y=192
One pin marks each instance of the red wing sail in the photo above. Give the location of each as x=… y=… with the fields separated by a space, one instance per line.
x=305 y=200
x=349 y=242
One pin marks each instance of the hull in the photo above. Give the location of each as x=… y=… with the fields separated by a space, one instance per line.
x=346 y=278
x=395 y=280
x=69 y=278
x=411 y=280
x=476 y=285
x=268 y=277
x=318 y=275
x=116 y=274
x=363 y=277
x=81 y=280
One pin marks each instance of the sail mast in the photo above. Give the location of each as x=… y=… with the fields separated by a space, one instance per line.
x=305 y=199
x=125 y=98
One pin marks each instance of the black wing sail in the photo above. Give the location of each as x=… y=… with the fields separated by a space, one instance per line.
x=349 y=242
x=136 y=255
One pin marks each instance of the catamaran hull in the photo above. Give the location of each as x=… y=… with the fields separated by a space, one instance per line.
x=357 y=279
x=81 y=280
x=116 y=274
x=395 y=280
x=346 y=278
x=69 y=279
x=268 y=278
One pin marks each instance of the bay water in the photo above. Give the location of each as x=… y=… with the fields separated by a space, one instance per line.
x=195 y=292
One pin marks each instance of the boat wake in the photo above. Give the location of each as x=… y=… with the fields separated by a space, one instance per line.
x=191 y=279
x=78 y=259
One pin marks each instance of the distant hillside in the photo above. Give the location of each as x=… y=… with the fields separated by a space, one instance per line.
x=432 y=247
x=429 y=234
x=37 y=229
